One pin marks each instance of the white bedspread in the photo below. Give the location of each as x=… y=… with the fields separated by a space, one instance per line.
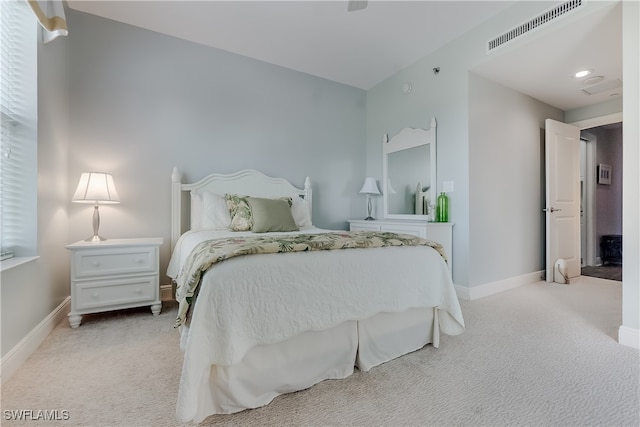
x=268 y=298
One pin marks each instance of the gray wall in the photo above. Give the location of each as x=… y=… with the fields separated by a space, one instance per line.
x=142 y=102
x=452 y=97
x=598 y=110
x=443 y=96
x=506 y=181
x=446 y=96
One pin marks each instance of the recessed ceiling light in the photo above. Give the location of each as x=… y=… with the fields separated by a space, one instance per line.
x=582 y=73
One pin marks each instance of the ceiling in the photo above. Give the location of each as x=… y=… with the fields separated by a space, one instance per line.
x=544 y=68
x=365 y=47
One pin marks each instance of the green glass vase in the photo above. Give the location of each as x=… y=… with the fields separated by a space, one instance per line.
x=442 y=208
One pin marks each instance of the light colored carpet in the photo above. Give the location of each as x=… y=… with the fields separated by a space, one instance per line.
x=539 y=355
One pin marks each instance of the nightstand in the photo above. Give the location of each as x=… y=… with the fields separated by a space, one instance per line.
x=114 y=274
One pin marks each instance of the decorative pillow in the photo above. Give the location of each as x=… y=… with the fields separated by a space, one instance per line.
x=271 y=215
x=239 y=211
x=301 y=213
x=215 y=214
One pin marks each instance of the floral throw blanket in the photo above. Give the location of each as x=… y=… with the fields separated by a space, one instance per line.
x=210 y=252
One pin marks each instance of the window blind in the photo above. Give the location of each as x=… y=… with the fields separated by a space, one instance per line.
x=18 y=129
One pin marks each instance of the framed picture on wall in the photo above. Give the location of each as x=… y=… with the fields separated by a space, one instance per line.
x=604 y=174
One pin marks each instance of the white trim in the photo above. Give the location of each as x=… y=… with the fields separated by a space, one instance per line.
x=16 y=261
x=462 y=292
x=590 y=197
x=477 y=292
x=607 y=119
x=626 y=336
x=629 y=337
x=598 y=121
x=30 y=343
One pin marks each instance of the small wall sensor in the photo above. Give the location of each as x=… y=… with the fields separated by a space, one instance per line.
x=436 y=70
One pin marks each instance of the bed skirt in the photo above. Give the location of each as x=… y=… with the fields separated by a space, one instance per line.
x=268 y=371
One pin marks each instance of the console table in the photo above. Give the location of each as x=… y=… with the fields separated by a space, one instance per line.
x=441 y=232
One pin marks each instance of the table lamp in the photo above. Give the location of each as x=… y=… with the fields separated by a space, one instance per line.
x=369 y=188
x=96 y=188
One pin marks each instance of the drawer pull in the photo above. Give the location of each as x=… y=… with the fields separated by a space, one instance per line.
x=138 y=291
x=95 y=295
x=139 y=260
x=95 y=264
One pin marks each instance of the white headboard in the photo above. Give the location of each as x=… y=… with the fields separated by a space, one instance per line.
x=245 y=182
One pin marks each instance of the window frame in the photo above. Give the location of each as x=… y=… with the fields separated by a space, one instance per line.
x=19 y=139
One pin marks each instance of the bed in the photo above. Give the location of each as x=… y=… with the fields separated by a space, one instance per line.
x=256 y=323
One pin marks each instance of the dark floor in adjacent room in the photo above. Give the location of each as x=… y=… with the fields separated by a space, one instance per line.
x=609 y=271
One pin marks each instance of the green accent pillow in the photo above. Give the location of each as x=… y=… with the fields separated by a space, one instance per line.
x=271 y=215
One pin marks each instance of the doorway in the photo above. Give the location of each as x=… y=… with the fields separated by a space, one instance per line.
x=601 y=197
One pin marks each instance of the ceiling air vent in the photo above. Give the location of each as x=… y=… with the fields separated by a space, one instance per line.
x=602 y=87
x=534 y=23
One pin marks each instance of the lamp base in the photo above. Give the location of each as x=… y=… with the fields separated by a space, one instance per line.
x=369 y=217
x=95 y=239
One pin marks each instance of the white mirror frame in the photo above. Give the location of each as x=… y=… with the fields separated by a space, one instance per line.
x=409 y=138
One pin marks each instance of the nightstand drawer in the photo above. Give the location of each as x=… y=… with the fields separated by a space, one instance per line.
x=115 y=292
x=109 y=262
x=414 y=230
x=364 y=227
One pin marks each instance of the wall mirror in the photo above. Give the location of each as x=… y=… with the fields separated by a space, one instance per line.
x=409 y=173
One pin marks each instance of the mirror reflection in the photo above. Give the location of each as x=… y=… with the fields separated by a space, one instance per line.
x=409 y=174
x=408 y=181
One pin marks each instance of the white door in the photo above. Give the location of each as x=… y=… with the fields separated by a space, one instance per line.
x=562 y=174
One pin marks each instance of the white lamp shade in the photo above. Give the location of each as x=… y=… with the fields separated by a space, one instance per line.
x=370 y=186
x=96 y=187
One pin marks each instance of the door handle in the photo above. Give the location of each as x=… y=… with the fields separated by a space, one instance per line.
x=552 y=210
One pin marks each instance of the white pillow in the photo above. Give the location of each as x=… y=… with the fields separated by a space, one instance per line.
x=215 y=214
x=301 y=213
x=196 y=211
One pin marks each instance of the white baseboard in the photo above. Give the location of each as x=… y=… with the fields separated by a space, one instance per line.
x=462 y=292
x=30 y=343
x=629 y=337
x=492 y=288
